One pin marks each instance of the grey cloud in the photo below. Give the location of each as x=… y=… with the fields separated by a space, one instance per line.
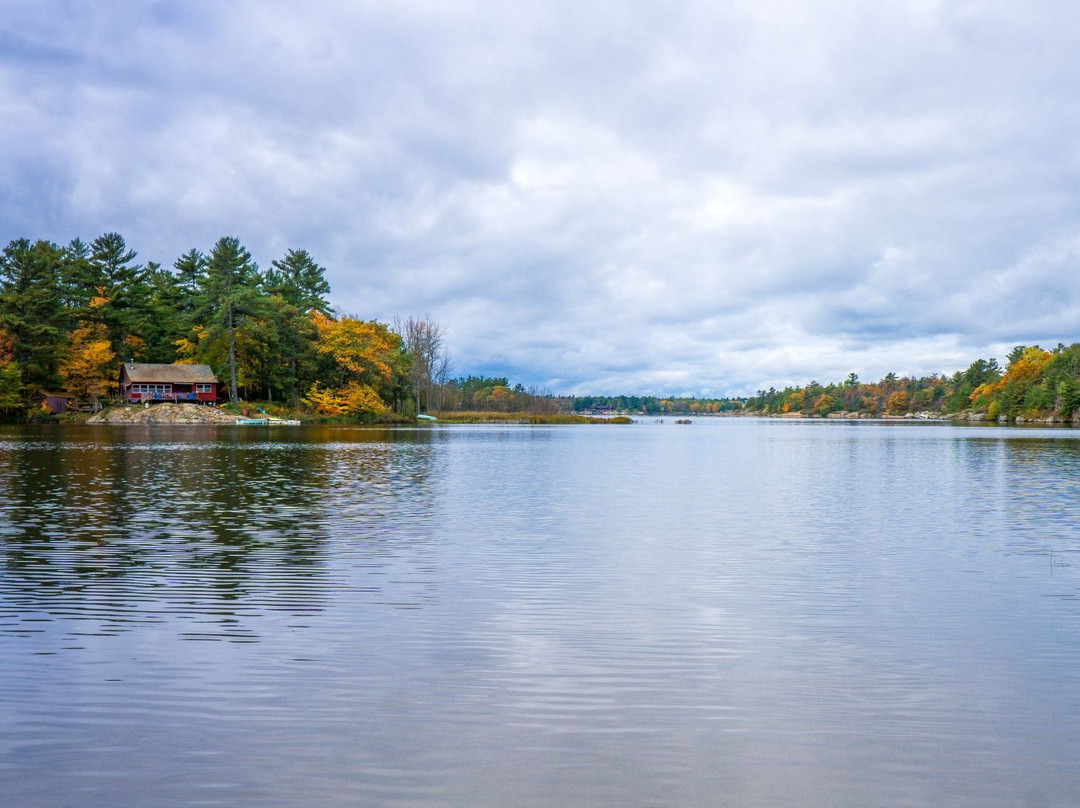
x=651 y=198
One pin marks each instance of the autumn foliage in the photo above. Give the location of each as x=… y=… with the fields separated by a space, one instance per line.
x=366 y=357
x=69 y=315
x=89 y=369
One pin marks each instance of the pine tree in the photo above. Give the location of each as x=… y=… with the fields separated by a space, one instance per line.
x=230 y=297
x=31 y=312
x=123 y=285
x=298 y=287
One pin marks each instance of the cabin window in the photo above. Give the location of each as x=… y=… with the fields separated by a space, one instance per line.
x=204 y=388
x=152 y=389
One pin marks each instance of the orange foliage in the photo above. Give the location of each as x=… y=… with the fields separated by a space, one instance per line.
x=7 y=347
x=357 y=346
x=898 y=403
x=1029 y=366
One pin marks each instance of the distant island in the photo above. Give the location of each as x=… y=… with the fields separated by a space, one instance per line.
x=70 y=315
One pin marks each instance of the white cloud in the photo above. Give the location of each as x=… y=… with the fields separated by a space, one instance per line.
x=652 y=198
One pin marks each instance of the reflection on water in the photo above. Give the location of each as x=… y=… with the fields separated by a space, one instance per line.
x=739 y=612
x=122 y=527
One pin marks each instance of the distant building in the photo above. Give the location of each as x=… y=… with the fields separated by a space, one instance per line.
x=55 y=403
x=195 y=384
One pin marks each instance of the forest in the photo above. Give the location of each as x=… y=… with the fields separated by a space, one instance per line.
x=1035 y=385
x=70 y=314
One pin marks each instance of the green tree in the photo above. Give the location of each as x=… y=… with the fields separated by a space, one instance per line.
x=298 y=287
x=165 y=318
x=11 y=387
x=190 y=272
x=190 y=277
x=123 y=286
x=78 y=278
x=31 y=311
x=230 y=299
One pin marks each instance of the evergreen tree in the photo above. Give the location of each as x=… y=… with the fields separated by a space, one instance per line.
x=11 y=386
x=230 y=298
x=164 y=321
x=190 y=271
x=31 y=311
x=78 y=279
x=298 y=287
x=123 y=286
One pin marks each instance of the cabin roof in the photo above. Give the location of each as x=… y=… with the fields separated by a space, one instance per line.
x=175 y=374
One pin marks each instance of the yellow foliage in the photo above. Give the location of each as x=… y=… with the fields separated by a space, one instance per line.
x=360 y=347
x=135 y=346
x=898 y=403
x=89 y=369
x=362 y=399
x=824 y=404
x=325 y=401
x=1029 y=366
x=352 y=399
x=187 y=348
x=981 y=395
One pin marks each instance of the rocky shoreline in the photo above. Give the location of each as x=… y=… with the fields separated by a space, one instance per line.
x=166 y=413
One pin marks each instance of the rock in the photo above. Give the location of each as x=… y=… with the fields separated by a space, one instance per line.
x=163 y=414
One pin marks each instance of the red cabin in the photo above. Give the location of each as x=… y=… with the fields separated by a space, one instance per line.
x=195 y=384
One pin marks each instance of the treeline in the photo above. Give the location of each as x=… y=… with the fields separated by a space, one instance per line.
x=69 y=315
x=654 y=405
x=1036 y=385
x=495 y=394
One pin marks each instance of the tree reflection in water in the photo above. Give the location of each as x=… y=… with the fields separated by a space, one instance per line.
x=134 y=525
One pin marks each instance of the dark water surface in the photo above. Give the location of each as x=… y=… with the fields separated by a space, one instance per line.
x=736 y=612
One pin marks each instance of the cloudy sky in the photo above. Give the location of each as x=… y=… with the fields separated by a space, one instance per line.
x=679 y=197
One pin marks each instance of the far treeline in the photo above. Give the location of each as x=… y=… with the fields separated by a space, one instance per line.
x=1036 y=385
x=69 y=315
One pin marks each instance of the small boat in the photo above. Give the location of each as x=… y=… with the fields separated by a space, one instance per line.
x=426 y=418
x=251 y=421
x=281 y=422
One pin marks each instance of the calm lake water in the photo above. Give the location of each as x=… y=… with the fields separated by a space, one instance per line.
x=736 y=612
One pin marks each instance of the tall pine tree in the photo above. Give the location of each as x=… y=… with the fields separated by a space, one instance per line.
x=298 y=287
x=230 y=298
x=124 y=289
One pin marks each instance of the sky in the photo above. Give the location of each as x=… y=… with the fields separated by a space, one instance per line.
x=694 y=198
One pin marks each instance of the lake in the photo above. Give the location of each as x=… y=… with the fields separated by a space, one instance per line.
x=736 y=612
